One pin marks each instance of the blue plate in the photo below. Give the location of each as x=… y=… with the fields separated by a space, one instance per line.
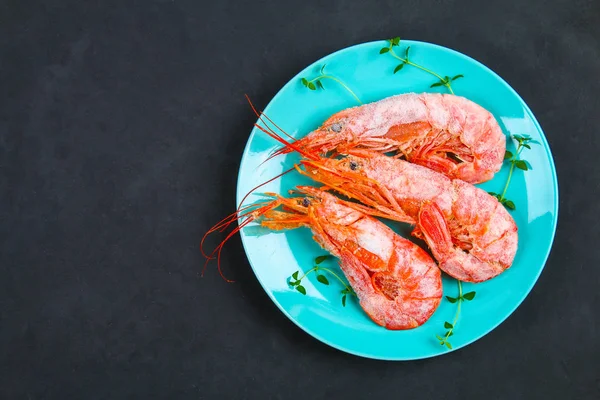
x=275 y=256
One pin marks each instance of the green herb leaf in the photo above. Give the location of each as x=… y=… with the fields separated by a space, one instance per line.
x=521 y=165
x=320 y=259
x=447 y=325
x=452 y=299
x=344 y=301
x=406 y=52
x=469 y=296
x=518 y=138
x=301 y=289
x=509 y=204
x=322 y=69
x=446 y=79
x=312 y=86
x=295 y=275
x=526 y=146
x=448 y=345
x=395 y=41
x=323 y=279
x=384 y=50
x=496 y=195
x=304 y=82
x=398 y=68
x=455 y=77
x=436 y=84
x=450 y=333
x=508 y=155
x=320 y=85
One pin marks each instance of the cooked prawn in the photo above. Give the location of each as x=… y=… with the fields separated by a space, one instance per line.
x=447 y=133
x=397 y=283
x=471 y=235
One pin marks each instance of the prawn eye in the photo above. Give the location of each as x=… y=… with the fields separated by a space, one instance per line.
x=353 y=165
x=305 y=202
x=337 y=127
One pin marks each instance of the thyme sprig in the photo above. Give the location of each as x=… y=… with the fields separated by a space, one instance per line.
x=444 y=340
x=515 y=162
x=316 y=83
x=405 y=60
x=295 y=280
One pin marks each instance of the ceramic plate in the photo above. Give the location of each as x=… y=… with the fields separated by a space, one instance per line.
x=275 y=256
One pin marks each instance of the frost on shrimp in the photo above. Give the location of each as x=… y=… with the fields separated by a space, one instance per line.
x=397 y=283
x=472 y=236
x=447 y=133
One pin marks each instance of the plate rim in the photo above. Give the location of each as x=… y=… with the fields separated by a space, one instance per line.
x=526 y=293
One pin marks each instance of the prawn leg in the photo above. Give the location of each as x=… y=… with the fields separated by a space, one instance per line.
x=436 y=163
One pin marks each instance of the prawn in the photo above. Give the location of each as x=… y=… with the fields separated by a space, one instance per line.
x=397 y=283
x=447 y=133
x=471 y=235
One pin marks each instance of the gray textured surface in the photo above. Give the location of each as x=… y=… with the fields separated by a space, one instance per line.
x=122 y=124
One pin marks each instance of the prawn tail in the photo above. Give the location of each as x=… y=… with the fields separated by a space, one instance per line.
x=432 y=225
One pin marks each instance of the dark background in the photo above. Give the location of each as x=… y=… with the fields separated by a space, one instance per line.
x=122 y=124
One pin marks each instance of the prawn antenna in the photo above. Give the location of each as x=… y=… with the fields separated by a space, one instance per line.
x=271 y=132
x=247 y=214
